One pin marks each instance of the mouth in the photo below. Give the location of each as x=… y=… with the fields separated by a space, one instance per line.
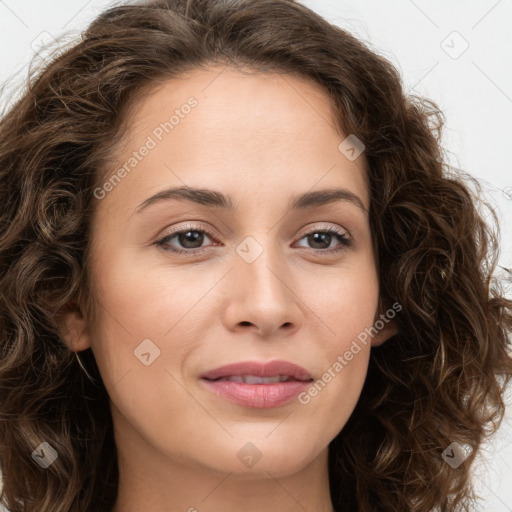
x=255 y=372
x=255 y=379
x=255 y=384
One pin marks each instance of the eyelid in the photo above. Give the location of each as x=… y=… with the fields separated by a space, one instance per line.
x=191 y=226
x=188 y=226
x=303 y=231
x=315 y=227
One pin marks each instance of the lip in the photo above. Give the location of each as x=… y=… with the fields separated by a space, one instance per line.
x=276 y=367
x=258 y=395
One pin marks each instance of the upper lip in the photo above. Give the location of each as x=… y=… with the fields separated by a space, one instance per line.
x=259 y=369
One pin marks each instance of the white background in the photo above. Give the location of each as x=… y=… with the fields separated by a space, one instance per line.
x=474 y=90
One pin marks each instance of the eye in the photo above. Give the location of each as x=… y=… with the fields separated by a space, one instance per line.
x=191 y=238
x=321 y=239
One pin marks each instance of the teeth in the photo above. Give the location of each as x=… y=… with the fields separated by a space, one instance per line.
x=234 y=378
x=253 y=379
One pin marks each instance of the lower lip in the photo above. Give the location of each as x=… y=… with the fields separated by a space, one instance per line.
x=263 y=396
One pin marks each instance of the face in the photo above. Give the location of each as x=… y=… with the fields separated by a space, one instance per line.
x=186 y=283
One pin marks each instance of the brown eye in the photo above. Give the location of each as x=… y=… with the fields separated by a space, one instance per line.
x=189 y=240
x=321 y=239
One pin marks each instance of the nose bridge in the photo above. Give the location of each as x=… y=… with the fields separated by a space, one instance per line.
x=261 y=265
x=261 y=292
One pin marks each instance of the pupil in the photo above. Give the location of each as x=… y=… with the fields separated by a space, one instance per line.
x=194 y=236
x=321 y=236
x=190 y=237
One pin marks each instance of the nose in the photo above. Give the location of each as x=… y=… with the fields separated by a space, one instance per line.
x=263 y=298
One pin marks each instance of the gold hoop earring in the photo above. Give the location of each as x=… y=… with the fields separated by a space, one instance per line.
x=83 y=368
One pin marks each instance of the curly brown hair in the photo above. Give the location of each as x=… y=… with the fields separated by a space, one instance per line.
x=440 y=379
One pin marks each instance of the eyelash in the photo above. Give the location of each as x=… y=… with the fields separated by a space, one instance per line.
x=162 y=242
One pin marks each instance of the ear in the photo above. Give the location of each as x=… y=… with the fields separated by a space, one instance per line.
x=386 y=328
x=73 y=327
x=390 y=329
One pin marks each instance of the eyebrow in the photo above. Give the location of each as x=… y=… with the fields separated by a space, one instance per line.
x=207 y=197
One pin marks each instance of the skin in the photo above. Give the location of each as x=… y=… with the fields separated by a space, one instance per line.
x=259 y=138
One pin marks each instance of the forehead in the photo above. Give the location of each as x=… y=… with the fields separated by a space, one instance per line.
x=247 y=131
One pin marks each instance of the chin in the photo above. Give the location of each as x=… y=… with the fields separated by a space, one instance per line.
x=257 y=458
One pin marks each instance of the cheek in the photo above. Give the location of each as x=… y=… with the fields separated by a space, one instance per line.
x=346 y=305
x=334 y=394
x=134 y=316
x=138 y=344
x=148 y=314
x=346 y=302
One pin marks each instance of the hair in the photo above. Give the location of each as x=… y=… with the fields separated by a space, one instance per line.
x=440 y=379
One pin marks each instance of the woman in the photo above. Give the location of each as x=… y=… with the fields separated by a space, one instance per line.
x=237 y=274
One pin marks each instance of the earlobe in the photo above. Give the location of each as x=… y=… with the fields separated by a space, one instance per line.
x=390 y=329
x=73 y=327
